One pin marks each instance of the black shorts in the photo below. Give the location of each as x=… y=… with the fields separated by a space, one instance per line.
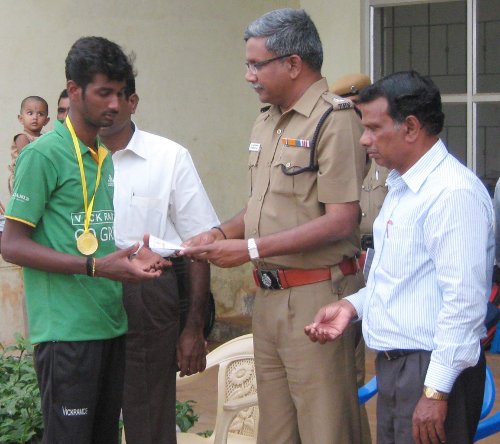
x=81 y=386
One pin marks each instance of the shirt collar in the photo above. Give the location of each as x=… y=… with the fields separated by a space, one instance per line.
x=308 y=101
x=415 y=177
x=136 y=145
x=61 y=129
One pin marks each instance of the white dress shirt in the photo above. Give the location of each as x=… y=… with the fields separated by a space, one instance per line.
x=431 y=274
x=158 y=191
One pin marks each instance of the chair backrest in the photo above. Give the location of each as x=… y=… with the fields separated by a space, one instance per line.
x=491 y=424
x=368 y=391
x=237 y=411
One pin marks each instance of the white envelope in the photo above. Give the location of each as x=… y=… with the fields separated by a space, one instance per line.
x=163 y=248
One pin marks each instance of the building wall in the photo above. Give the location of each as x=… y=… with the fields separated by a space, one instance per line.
x=12 y=311
x=339 y=26
x=190 y=64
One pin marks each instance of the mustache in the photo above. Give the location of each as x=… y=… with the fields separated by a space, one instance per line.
x=256 y=86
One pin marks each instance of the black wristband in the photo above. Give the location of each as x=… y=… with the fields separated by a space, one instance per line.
x=91 y=266
x=221 y=230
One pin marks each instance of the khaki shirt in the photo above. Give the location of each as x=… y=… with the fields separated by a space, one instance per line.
x=278 y=202
x=372 y=196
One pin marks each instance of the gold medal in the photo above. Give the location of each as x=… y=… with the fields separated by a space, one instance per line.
x=87 y=243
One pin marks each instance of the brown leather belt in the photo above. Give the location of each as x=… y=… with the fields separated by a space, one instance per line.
x=294 y=277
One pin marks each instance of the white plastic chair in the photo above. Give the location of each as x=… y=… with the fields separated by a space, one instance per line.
x=237 y=412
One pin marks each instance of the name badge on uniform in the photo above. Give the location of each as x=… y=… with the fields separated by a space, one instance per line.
x=254 y=147
x=303 y=143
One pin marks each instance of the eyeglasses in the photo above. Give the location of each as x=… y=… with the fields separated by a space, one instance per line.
x=254 y=67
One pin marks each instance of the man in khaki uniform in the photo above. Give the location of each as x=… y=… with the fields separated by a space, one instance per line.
x=374 y=188
x=301 y=231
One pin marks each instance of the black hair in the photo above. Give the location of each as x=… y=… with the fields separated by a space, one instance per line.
x=36 y=99
x=63 y=95
x=90 y=56
x=409 y=93
x=130 y=86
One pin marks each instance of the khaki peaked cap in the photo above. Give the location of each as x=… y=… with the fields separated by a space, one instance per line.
x=350 y=85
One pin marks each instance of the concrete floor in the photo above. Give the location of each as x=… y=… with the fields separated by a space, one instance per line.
x=204 y=392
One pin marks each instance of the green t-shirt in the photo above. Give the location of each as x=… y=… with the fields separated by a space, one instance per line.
x=48 y=196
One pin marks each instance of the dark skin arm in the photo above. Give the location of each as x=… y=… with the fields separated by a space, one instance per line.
x=428 y=421
x=191 y=346
x=338 y=222
x=234 y=228
x=20 y=249
x=21 y=141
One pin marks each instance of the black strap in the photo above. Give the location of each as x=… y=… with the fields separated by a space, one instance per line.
x=312 y=165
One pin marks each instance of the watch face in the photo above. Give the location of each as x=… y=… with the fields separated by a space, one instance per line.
x=431 y=393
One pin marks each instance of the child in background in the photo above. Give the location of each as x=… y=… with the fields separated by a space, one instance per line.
x=34 y=115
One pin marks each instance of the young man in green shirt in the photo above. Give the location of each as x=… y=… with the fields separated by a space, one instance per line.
x=60 y=229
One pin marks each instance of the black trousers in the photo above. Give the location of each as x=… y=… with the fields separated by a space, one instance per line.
x=151 y=364
x=400 y=385
x=81 y=387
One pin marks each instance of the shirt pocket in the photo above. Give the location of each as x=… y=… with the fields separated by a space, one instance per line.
x=145 y=202
x=253 y=162
x=293 y=159
x=148 y=212
x=403 y=253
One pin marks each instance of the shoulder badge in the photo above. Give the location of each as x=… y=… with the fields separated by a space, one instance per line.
x=265 y=108
x=338 y=103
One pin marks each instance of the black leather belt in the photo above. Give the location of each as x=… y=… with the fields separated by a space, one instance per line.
x=390 y=355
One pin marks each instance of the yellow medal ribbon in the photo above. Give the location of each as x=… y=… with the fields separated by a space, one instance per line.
x=87 y=242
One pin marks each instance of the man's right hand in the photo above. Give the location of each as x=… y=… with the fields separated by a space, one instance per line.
x=330 y=322
x=119 y=267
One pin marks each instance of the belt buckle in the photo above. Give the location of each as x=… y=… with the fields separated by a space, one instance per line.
x=269 y=279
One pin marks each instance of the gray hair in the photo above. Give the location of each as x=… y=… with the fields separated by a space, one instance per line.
x=289 y=31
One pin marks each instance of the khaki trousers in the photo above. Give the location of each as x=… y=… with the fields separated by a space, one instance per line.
x=307 y=391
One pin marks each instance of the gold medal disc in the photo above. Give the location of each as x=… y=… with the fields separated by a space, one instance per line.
x=87 y=243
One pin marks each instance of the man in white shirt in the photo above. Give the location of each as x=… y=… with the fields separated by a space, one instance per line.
x=424 y=304
x=157 y=189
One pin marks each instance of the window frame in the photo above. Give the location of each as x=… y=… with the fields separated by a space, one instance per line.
x=471 y=98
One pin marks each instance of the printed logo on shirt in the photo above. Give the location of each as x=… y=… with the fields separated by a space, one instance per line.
x=101 y=221
x=20 y=197
x=111 y=182
x=96 y=218
x=82 y=411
